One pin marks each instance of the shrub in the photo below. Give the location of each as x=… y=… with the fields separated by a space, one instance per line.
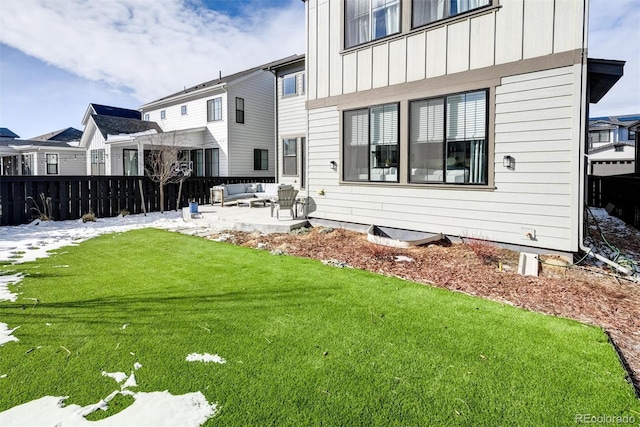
x=486 y=251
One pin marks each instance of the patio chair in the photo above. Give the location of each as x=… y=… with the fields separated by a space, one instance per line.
x=286 y=201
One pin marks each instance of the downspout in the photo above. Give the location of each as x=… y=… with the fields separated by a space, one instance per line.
x=275 y=121
x=584 y=123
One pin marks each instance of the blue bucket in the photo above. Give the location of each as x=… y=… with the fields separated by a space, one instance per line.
x=193 y=207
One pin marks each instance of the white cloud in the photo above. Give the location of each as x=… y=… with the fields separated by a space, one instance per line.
x=152 y=47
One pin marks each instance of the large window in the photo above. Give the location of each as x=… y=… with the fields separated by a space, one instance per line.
x=130 y=162
x=427 y=11
x=367 y=20
x=260 y=160
x=197 y=161
x=27 y=164
x=214 y=109
x=447 y=141
x=289 y=156
x=370 y=144
x=239 y=110
x=52 y=164
x=212 y=162
x=98 y=166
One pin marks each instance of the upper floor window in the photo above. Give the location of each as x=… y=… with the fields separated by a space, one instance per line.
x=146 y=117
x=632 y=136
x=289 y=85
x=598 y=136
x=427 y=11
x=447 y=140
x=183 y=110
x=163 y=115
x=239 y=110
x=52 y=164
x=367 y=20
x=214 y=109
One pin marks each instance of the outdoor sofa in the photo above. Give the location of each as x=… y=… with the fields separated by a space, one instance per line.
x=233 y=192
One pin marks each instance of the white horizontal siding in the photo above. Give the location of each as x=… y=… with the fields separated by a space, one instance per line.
x=539 y=194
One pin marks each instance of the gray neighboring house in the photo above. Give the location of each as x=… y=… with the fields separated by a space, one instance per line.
x=55 y=153
x=612 y=145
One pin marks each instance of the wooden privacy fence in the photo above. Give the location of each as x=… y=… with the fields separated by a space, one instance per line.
x=622 y=191
x=70 y=197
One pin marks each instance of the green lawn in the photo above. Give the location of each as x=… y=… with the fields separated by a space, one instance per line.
x=305 y=343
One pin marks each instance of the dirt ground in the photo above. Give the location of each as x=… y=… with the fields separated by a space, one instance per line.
x=588 y=292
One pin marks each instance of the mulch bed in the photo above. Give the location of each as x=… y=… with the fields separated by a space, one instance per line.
x=587 y=293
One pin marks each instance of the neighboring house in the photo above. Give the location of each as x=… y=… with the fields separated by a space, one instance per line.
x=64 y=135
x=114 y=140
x=228 y=123
x=291 y=121
x=612 y=145
x=466 y=118
x=39 y=157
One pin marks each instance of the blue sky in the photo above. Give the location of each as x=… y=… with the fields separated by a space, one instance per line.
x=57 y=56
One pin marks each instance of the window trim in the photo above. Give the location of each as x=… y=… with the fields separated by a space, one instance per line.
x=294 y=156
x=295 y=85
x=264 y=155
x=212 y=117
x=445 y=141
x=48 y=164
x=398 y=166
x=371 y=40
x=239 y=111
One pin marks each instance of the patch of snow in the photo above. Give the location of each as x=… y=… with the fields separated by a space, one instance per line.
x=5 y=334
x=5 y=281
x=118 y=376
x=159 y=408
x=137 y=365
x=125 y=325
x=402 y=258
x=131 y=382
x=195 y=357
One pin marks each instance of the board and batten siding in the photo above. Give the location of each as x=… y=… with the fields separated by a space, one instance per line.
x=258 y=129
x=509 y=31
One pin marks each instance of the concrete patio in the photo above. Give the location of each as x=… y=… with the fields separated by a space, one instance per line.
x=243 y=218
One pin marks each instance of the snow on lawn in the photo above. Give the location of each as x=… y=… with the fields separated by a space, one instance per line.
x=195 y=357
x=32 y=241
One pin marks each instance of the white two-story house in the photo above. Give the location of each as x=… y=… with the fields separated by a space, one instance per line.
x=228 y=123
x=291 y=121
x=461 y=117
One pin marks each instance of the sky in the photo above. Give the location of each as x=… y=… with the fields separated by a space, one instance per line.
x=57 y=56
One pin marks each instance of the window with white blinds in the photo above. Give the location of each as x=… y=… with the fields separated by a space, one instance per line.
x=367 y=20
x=289 y=156
x=370 y=144
x=447 y=141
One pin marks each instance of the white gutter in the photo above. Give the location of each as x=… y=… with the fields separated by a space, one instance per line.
x=584 y=123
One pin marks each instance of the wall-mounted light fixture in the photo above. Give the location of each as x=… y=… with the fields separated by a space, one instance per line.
x=508 y=162
x=334 y=165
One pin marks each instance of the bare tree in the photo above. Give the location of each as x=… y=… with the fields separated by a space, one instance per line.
x=164 y=166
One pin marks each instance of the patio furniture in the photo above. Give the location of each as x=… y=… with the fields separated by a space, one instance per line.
x=286 y=201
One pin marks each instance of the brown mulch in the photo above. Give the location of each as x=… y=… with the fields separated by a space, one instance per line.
x=587 y=293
